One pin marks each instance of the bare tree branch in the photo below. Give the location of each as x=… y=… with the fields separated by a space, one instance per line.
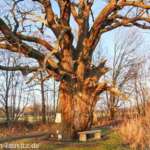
x=23 y=69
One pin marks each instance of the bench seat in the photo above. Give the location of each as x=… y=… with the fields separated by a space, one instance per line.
x=83 y=135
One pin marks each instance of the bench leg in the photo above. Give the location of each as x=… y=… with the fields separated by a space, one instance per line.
x=97 y=136
x=82 y=138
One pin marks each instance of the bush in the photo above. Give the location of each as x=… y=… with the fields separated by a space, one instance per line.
x=136 y=132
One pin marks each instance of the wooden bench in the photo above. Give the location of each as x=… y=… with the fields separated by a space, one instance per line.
x=83 y=136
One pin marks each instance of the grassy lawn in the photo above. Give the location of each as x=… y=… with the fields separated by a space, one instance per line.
x=111 y=142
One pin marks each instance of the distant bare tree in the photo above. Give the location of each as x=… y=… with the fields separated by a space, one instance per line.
x=125 y=58
x=5 y=91
x=43 y=98
x=12 y=95
x=141 y=89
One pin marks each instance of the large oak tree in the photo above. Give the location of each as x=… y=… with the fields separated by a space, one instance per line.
x=70 y=61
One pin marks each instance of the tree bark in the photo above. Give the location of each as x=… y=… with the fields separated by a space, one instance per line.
x=7 y=112
x=7 y=107
x=43 y=99
x=112 y=108
x=77 y=106
x=112 y=113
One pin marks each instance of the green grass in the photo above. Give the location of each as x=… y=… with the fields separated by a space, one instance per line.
x=111 y=142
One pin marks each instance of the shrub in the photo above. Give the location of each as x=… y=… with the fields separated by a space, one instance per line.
x=136 y=132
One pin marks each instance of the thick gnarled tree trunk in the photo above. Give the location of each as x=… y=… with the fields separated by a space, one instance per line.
x=77 y=106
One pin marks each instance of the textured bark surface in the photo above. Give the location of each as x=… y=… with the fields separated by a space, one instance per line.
x=76 y=106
